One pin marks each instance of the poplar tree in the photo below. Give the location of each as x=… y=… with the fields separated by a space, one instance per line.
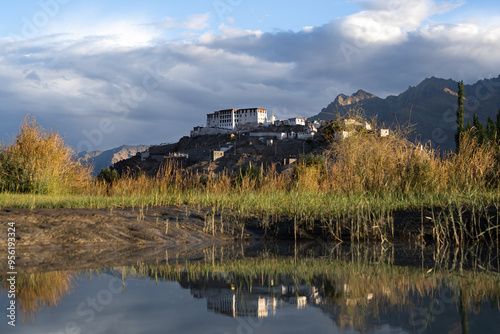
x=498 y=125
x=478 y=129
x=460 y=114
x=490 y=129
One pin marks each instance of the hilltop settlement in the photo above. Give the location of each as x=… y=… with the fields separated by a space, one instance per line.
x=240 y=137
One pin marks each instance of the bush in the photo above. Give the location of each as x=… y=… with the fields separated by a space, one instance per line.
x=309 y=172
x=248 y=177
x=39 y=162
x=108 y=175
x=368 y=163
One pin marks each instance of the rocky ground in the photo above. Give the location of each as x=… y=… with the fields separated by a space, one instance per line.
x=242 y=150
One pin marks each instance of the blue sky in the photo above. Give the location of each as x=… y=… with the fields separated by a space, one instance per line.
x=152 y=69
x=247 y=14
x=267 y=16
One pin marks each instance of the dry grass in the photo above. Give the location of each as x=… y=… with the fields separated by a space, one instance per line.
x=355 y=185
x=39 y=162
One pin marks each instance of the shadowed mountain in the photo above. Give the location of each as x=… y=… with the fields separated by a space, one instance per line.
x=101 y=160
x=430 y=106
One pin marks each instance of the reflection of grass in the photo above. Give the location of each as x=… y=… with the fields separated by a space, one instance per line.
x=355 y=284
x=37 y=291
x=354 y=290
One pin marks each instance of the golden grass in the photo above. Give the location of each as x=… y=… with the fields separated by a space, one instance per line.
x=39 y=162
x=355 y=185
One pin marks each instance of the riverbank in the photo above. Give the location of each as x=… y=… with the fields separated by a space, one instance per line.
x=74 y=238
x=48 y=239
x=429 y=217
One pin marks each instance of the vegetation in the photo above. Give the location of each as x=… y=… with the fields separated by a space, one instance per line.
x=460 y=114
x=38 y=162
x=352 y=189
x=484 y=135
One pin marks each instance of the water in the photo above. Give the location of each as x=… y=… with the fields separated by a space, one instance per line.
x=354 y=290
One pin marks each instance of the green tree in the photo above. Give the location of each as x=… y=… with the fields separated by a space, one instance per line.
x=498 y=125
x=490 y=129
x=479 y=131
x=460 y=114
x=108 y=175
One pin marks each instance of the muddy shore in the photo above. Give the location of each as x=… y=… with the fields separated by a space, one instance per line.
x=47 y=239
x=71 y=239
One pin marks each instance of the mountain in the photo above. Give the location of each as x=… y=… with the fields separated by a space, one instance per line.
x=430 y=107
x=100 y=160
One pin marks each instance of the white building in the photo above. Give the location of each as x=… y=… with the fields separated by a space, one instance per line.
x=384 y=132
x=296 y=121
x=343 y=134
x=231 y=118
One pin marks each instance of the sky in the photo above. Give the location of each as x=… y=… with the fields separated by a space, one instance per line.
x=108 y=73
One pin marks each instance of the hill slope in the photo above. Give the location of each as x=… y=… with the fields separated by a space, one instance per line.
x=100 y=160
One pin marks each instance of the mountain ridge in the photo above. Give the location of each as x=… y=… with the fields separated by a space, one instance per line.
x=103 y=159
x=430 y=106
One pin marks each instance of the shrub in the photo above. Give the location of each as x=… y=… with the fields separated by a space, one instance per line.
x=108 y=175
x=309 y=172
x=248 y=177
x=39 y=162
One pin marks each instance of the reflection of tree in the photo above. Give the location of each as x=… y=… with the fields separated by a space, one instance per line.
x=464 y=314
x=37 y=291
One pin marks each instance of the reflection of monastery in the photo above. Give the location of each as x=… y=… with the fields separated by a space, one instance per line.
x=260 y=302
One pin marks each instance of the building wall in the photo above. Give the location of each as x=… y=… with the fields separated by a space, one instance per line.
x=277 y=135
x=296 y=121
x=209 y=131
x=217 y=155
x=231 y=118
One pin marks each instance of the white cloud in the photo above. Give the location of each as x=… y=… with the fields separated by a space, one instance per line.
x=106 y=34
x=193 y=22
x=390 y=22
x=224 y=32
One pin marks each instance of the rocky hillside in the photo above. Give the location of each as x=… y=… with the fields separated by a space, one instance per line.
x=430 y=106
x=100 y=160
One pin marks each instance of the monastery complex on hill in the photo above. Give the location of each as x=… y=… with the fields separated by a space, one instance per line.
x=249 y=120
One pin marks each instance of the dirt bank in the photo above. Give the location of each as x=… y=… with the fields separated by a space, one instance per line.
x=76 y=238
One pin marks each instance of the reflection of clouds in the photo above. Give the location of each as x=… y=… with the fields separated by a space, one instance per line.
x=147 y=307
x=345 y=297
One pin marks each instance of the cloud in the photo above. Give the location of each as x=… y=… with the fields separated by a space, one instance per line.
x=390 y=21
x=32 y=76
x=193 y=22
x=154 y=90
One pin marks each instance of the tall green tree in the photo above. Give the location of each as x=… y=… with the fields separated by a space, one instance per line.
x=490 y=129
x=498 y=125
x=479 y=131
x=460 y=114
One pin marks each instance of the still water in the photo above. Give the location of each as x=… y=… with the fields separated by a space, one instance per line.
x=342 y=290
